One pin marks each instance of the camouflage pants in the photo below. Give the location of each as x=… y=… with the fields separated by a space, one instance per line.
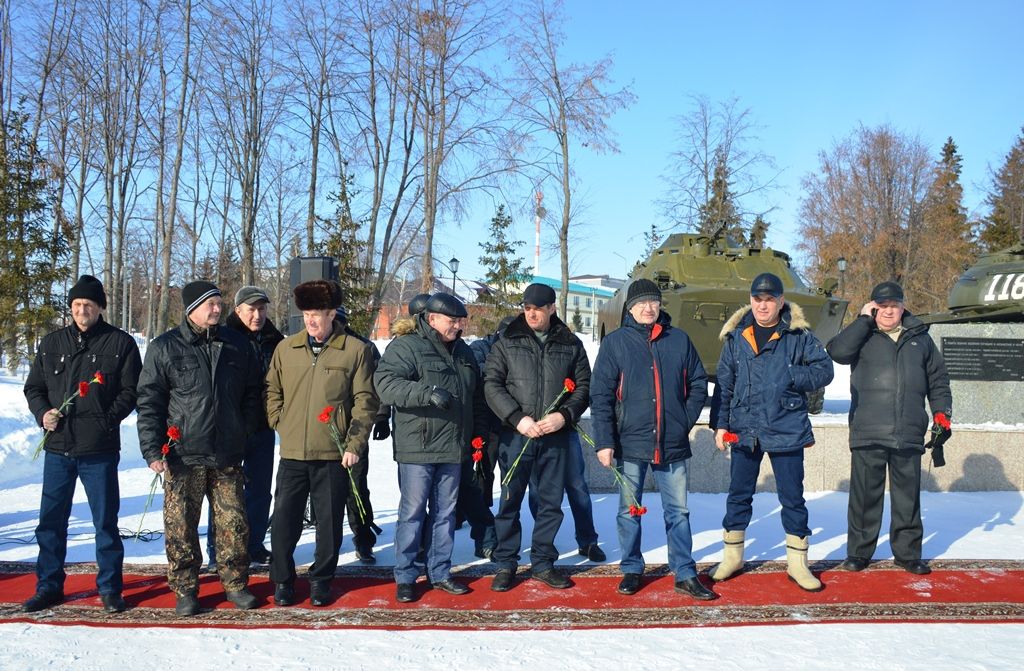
x=185 y=487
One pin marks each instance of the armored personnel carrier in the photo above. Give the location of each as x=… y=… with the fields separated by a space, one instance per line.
x=992 y=290
x=704 y=280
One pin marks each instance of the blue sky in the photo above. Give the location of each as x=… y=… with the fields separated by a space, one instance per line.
x=810 y=72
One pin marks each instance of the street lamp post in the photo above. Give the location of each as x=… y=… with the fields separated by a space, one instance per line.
x=453 y=263
x=841 y=263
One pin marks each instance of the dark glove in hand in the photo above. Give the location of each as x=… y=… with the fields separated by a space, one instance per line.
x=940 y=435
x=382 y=430
x=440 y=398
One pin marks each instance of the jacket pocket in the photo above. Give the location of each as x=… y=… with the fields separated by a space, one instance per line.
x=184 y=374
x=791 y=401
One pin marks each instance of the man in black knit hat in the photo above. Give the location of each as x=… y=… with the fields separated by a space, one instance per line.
x=201 y=383
x=83 y=441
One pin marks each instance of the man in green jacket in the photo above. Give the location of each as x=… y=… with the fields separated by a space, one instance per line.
x=320 y=400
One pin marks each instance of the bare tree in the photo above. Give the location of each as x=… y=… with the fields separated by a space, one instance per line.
x=247 y=103
x=712 y=136
x=568 y=104
x=865 y=203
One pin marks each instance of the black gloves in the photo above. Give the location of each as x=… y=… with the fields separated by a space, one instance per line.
x=381 y=430
x=941 y=431
x=440 y=398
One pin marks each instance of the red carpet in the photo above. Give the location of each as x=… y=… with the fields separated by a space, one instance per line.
x=955 y=591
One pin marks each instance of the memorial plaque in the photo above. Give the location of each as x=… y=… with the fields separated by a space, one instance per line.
x=986 y=359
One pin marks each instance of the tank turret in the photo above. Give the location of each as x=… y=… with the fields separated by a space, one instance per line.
x=992 y=290
x=704 y=280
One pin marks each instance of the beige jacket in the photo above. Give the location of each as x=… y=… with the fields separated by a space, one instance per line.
x=299 y=388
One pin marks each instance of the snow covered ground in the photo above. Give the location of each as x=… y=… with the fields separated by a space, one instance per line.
x=957 y=525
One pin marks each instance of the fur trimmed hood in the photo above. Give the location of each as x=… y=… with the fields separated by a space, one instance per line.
x=791 y=319
x=404 y=326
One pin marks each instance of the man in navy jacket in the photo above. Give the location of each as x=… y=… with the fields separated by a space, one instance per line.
x=770 y=360
x=646 y=393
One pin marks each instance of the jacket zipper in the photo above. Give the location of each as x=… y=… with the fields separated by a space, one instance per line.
x=657 y=403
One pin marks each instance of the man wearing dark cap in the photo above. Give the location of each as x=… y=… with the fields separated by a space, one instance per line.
x=418 y=302
x=525 y=376
x=895 y=367
x=770 y=360
x=204 y=382
x=648 y=390
x=250 y=319
x=430 y=378
x=84 y=441
x=319 y=389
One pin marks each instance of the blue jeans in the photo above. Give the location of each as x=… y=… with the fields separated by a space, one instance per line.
x=672 y=483
x=258 y=467
x=577 y=492
x=419 y=484
x=788 y=468
x=98 y=473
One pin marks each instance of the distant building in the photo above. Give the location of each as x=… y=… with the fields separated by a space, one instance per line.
x=395 y=301
x=599 y=281
x=587 y=298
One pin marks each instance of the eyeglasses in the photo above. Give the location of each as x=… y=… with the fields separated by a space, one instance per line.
x=648 y=304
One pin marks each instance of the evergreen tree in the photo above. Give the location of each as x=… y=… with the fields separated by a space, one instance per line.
x=28 y=306
x=758 y=232
x=349 y=250
x=950 y=248
x=577 y=320
x=1004 y=226
x=721 y=206
x=506 y=272
x=652 y=240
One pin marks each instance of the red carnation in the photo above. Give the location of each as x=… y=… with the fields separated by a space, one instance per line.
x=478 y=455
x=942 y=420
x=730 y=438
x=478 y=443
x=83 y=389
x=570 y=386
x=642 y=510
x=325 y=414
x=98 y=377
x=634 y=510
x=174 y=433
x=165 y=450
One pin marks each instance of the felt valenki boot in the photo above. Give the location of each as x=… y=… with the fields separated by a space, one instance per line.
x=732 y=556
x=796 y=564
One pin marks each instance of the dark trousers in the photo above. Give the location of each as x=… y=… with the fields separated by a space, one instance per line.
x=361 y=526
x=325 y=484
x=788 y=468
x=258 y=470
x=867 y=500
x=98 y=474
x=577 y=492
x=542 y=468
x=474 y=505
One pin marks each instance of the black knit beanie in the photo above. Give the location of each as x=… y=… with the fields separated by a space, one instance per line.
x=90 y=288
x=642 y=290
x=194 y=293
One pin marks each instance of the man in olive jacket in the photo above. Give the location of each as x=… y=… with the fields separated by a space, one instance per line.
x=320 y=386
x=204 y=382
x=526 y=372
x=430 y=377
x=84 y=442
x=895 y=367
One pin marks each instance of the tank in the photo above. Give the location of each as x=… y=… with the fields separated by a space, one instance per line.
x=992 y=290
x=704 y=279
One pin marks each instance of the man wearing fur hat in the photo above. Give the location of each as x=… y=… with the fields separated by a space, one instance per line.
x=84 y=441
x=430 y=377
x=320 y=385
x=895 y=368
x=770 y=360
x=199 y=399
x=648 y=389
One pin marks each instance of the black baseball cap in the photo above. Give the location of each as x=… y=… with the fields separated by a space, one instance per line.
x=539 y=295
x=766 y=283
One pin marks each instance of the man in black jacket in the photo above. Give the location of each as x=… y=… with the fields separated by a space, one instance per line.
x=83 y=441
x=526 y=373
x=250 y=319
x=201 y=383
x=895 y=366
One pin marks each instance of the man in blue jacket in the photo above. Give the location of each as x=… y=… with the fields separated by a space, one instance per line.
x=770 y=360
x=895 y=367
x=647 y=391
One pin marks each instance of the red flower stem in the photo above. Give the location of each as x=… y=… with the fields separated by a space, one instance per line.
x=626 y=487
x=508 y=476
